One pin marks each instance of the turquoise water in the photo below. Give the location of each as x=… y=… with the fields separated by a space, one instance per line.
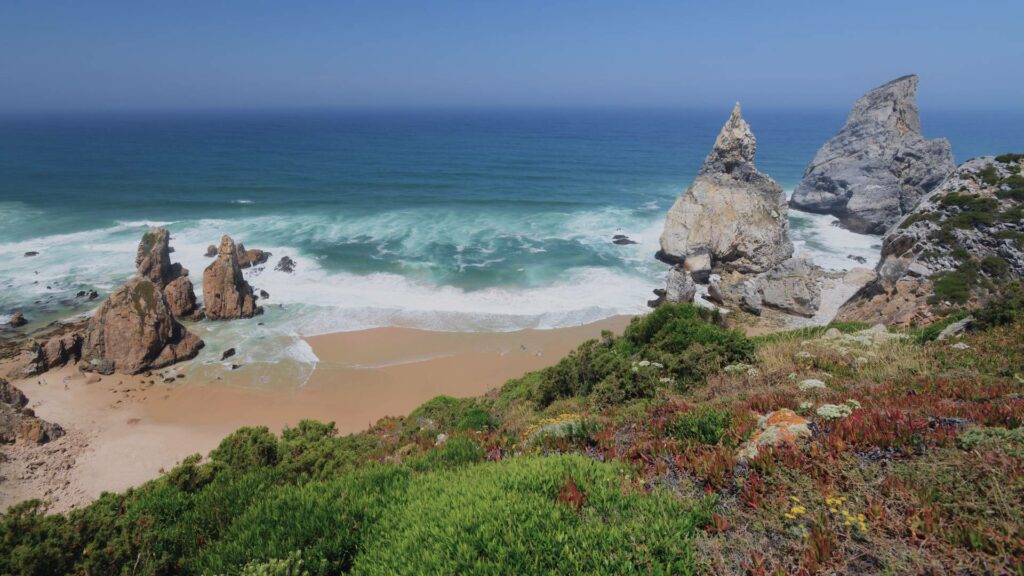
x=461 y=220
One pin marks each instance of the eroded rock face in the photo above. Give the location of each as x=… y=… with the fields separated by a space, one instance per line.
x=251 y=257
x=679 y=288
x=731 y=214
x=134 y=331
x=878 y=167
x=793 y=287
x=969 y=232
x=153 y=262
x=226 y=294
x=19 y=423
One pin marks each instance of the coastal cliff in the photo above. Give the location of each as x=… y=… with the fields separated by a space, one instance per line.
x=878 y=167
x=957 y=249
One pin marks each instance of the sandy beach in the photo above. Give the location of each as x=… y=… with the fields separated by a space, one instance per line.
x=124 y=430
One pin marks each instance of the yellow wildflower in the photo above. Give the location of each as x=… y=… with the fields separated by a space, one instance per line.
x=790 y=516
x=798 y=509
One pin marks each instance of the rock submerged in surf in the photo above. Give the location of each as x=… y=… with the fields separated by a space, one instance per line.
x=285 y=264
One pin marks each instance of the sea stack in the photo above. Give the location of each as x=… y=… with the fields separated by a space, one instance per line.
x=732 y=217
x=134 y=331
x=878 y=167
x=226 y=294
x=153 y=262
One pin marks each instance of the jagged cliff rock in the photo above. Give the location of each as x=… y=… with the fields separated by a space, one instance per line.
x=134 y=330
x=732 y=217
x=878 y=167
x=19 y=423
x=251 y=257
x=153 y=262
x=955 y=248
x=226 y=294
x=679 y=288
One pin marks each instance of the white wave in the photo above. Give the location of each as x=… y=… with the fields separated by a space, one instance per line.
x=242 y=201
x=831 y=246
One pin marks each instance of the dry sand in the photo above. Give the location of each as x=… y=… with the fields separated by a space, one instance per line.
x=124 y=430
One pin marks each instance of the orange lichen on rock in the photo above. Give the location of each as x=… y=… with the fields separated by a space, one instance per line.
x=778 y=428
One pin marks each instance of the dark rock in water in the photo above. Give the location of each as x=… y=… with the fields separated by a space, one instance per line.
x=878 y=167
x=622 y=240
x=285 y=264
x=211 y=251
x=836 y=223
x=252 y=257
x=31 y=253
x=17 y=320
x=80 y=294
x=857 y=259
x=235 y=366
x=93 y=295
x=264 y=294
x=227 y=354
x=659 y=299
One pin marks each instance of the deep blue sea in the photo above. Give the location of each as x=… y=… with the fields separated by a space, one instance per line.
x=450 y=220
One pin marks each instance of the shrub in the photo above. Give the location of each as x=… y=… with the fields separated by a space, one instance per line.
x=703 y=424
x=989 y=174
x=1006 y=309
x=1009 y=157
x=476 y=419
x=955 y=286
x=506 y=518
x=454 y=453
x=995 y=266
x=247 y=448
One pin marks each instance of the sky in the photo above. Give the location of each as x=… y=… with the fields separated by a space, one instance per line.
x=252 y=54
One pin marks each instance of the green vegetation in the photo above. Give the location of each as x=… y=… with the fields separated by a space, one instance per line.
x=621 y=459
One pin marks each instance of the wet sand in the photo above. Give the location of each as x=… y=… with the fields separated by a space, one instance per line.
x=124 y=430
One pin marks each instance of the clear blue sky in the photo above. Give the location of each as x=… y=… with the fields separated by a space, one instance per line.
x=57 y=54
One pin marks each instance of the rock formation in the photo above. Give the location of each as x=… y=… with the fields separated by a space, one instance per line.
x=285 y=264
x=956 y=248
x=19 y=423
x=57 y=351
x=878 y=167
x=226 y=294
x=732 y=217
x=679 y=288
x=134 y=331
x=792 y=287
x=251 y=257
x=153 y=262
x=17 y=320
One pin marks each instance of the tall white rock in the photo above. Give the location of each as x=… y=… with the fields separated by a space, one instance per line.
x=878 y=167
x=732 y=217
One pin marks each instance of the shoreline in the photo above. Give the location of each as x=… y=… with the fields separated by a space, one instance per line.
x=122 y=431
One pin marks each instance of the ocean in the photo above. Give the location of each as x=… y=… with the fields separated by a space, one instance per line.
x=468 y=220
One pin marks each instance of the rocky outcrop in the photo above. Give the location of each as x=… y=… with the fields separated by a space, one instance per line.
x=226 y=294
x=955 y=249
x=679 y=288
x=878 y=167
x=18 y=423
x=732 y=217
x=57 y=351
x=251 y=257
x=153 y=262
x=792 y=287
x=17 y=320
x=285 y=264
x=134 y=331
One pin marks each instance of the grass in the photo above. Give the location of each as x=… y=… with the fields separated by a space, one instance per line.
x=924 y=474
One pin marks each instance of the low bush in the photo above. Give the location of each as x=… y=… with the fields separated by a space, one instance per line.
x=703 y=424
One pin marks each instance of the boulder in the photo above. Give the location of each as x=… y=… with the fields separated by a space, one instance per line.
x=792 y=287
x=134 y=331
x=732 y=214
x=878 y=167
x=19 y=423
x=679 y=286
x=211 y=251
x=17 y=320
x=181 y=297
x=226 y=294
x=31 y=253
x=776 y=429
